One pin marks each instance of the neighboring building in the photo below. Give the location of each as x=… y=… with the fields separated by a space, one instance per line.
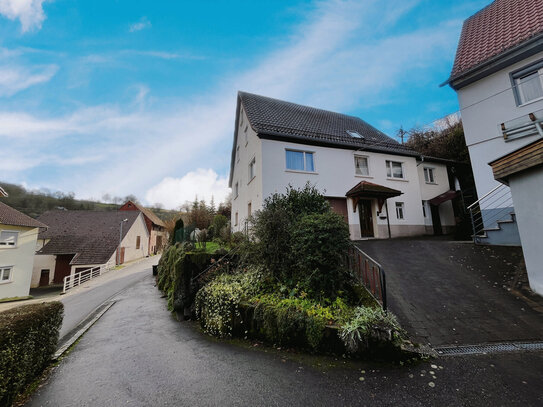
x=497 y=74
x=18 y=233
x=381 y=187
x=155 y=226
x=522 y=170
x=78 y=240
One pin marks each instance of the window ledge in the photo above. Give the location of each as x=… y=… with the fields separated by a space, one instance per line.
x=303 y=172
x=8 y=247
x=6 y=282
x=530 y=102
x=362 y=176
x=431 y=183
x=397 y=179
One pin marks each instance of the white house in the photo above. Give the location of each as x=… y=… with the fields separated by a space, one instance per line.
x=382 y=188
x=18 y=234
x=497 y=74
x=78 y=240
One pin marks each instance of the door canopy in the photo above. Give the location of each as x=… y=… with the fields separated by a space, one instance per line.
x=369 y=190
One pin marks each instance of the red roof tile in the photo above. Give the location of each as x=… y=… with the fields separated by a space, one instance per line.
x=497 y=28
x=10 y=216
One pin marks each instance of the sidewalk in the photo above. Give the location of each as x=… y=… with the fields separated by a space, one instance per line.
x=47 y=294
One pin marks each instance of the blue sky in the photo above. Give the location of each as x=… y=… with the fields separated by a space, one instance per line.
x=138 y=97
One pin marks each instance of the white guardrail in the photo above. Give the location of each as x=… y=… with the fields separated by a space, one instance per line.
x=81 y=277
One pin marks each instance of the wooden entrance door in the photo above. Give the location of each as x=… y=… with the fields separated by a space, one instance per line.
x=62 y=267
x=366 y=218
x=44 y=277
x=436 y=220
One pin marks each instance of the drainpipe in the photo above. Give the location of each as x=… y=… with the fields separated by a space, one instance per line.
x=388 y=220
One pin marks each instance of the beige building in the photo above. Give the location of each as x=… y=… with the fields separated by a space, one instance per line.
x=79 y=240
x=18 y=234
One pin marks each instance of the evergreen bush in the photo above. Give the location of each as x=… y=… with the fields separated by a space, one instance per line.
x=28 y=340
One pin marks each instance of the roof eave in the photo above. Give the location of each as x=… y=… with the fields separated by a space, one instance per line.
x=496 y=63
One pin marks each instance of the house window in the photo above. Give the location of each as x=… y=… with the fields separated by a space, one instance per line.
x=246 y=137
x=138 y=242
x=8 y=238
x=394 y=169
x=361 y=165
x=249 y=209
x=5 y=274
x=528 y=84
x=300 y=161
x=237 y=154
x=399 y=210
x=252 y=169
x=236 y=190
x=236 y=220
x=429 y=175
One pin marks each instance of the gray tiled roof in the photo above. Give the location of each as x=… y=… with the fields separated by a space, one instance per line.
x=273 y=118
x=92 y=236
x=10 y=216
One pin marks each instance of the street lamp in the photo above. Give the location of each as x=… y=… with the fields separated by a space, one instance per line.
x=120 y=241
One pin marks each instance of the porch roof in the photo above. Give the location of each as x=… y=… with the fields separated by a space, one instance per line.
x=365 y=189
x=444 y=197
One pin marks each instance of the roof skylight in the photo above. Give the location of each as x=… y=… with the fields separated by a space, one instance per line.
x=355 y=134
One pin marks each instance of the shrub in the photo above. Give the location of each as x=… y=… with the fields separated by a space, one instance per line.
x=319 y=244
x=28 y=339
x=370 y=325
x=217 y=303
x=177 y=233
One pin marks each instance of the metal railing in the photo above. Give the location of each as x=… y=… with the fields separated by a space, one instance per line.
x=81 y=277
x=369 y=273
x=492 y=207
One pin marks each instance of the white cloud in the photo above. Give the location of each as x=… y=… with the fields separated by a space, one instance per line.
x=202 y=183
x=28 y=12
x=14 y=79
x=140 y=25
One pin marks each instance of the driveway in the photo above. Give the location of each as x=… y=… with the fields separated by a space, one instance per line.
x=449 y=293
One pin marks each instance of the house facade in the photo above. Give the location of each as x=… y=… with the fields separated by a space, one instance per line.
x=497 y=75
x=381 y=188
x=79 y=240
x=155 y=226
x=18 y=234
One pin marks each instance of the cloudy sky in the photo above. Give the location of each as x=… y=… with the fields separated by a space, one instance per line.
x=138 y=97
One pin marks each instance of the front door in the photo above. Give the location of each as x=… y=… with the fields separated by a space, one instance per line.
x=366 y=218
x=44 y=277
x=436 y=220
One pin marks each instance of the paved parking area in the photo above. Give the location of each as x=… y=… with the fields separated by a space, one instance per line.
x=448 y=293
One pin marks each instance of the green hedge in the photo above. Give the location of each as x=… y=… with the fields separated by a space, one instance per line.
x=28 y=340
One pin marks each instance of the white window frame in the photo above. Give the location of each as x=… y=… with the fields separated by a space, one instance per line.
x=430 y=175
x=304 y=152
x=516 y=80
x=400 y=210
x=236 y=189
x=252 y=169
x=4 y=245
x=357 y=156
x=388 y=164
x=2 y=272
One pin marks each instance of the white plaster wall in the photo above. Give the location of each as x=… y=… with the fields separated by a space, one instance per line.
x=527 y=192
x=129 y=241
x=481 y=121
x=335 y=175
x=249 y=190
x=42 y=262
x=22 y=260
x=431 y=190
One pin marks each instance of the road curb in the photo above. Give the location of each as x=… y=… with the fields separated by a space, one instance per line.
x=83 y=327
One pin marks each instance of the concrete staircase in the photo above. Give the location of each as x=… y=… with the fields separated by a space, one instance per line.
x=504 y=233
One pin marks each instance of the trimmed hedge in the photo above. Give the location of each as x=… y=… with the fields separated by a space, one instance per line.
x=28 y=340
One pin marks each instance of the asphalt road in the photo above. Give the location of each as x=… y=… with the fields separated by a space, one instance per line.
x=79 y=305
x=137 y=354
